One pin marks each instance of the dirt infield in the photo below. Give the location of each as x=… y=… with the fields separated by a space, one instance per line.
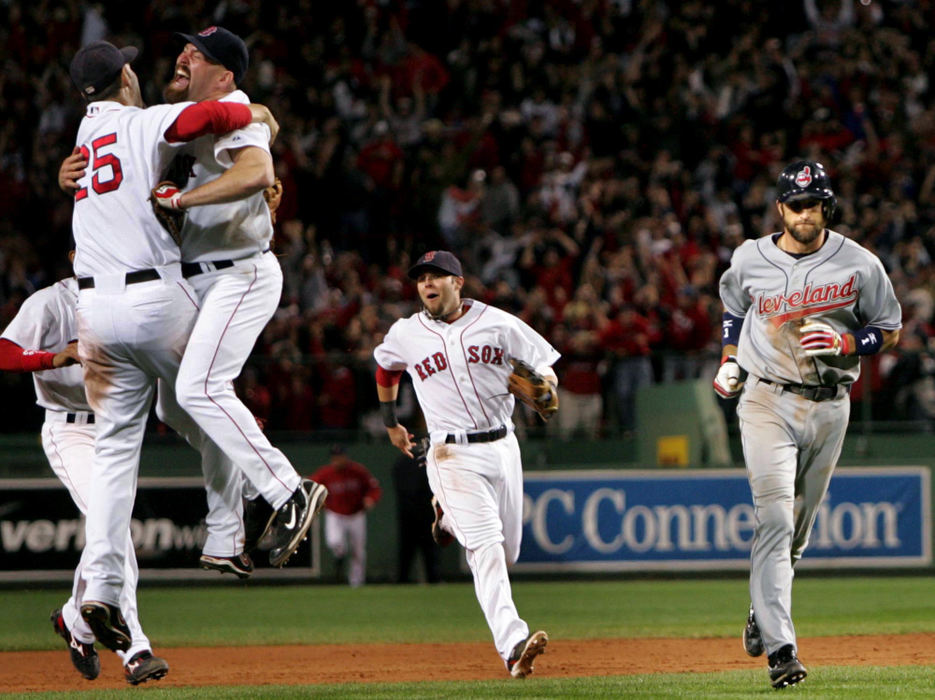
x=371 y=663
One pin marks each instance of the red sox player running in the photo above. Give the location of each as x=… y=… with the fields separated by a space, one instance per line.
x=457 y=353
x=800 y=308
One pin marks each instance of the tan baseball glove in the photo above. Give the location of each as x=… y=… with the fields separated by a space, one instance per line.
x=533 y=389
x=273 y=196
x=165 y=200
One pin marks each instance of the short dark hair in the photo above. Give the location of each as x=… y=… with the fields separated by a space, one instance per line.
x=107 y=92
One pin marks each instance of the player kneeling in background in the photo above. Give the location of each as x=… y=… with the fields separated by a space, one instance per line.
x=458 y=354
x=800 y=308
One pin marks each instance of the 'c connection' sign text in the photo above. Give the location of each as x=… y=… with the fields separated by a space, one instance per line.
x=651 y=520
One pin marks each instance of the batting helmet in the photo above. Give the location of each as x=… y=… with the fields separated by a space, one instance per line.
x=806 y=179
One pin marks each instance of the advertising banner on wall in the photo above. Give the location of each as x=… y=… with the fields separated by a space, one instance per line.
x=704 y=520
x=42 y=532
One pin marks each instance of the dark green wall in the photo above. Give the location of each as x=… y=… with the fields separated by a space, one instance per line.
x=23 y=457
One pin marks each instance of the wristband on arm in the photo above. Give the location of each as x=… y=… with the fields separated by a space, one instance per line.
x=388 y=411
x=730 y=329
x=867 y=341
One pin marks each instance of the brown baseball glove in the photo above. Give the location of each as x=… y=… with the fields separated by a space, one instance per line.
x=165 y=200
x=533 y=389
x=273 y=196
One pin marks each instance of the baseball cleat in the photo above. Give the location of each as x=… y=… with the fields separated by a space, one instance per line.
x=83 y=656
x=258 y=517
x=525 y=653
x=442 y=537
x=293 y=519
x=108 y=625
x=145 y=667
x=784 y=667
x=241 y=565
x=752 y=640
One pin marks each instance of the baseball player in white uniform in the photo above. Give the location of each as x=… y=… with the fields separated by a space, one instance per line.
x=238 y=282
x=800 y=308
x=41 y=339
x=458 y=354
x=134 y=309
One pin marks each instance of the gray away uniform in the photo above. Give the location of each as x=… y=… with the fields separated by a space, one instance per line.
x=792 y=441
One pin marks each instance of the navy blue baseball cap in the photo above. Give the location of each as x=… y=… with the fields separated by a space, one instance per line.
x=97 y=65
x=438 y=260
x=221 y=46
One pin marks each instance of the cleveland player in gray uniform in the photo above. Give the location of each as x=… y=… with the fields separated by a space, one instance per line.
x=800 y=308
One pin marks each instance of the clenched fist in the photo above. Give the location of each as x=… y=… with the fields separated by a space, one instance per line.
x=728 y=381
x=167 y=195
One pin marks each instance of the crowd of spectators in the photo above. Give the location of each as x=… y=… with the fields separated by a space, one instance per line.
x=592 y=162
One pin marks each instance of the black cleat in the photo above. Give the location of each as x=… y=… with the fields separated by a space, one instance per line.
x=241 y=565
x=293 y=519
x=525 y=653
x=752 y=640
x=784 y=667
x=83 y=656
x=257 y=520
x=442 y=537
x=108 y=625
x=145 y=667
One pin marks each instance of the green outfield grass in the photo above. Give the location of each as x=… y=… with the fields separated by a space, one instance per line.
x=241 y=614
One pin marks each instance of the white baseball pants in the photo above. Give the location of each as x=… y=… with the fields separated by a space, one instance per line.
x=70 y=450
x=236 y=304
x=128 y=337
x=480 y=488
x=346 y=536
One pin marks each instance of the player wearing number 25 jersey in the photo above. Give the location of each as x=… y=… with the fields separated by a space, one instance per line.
x=134 y=309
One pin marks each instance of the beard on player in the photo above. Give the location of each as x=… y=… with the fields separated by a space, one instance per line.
x=805 y=232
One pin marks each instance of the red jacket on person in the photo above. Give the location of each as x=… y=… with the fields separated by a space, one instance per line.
x=351 y=487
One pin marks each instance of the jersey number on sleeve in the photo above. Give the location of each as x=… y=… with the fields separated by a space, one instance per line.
x=101 y=160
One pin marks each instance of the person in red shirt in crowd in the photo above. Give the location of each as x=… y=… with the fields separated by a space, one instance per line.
x=352 y=491
x=580 y=366
x=687 y=331
x=625 y=337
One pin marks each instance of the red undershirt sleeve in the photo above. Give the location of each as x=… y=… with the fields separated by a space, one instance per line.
x=14 y=359
x=208 y=117
x=387 y=377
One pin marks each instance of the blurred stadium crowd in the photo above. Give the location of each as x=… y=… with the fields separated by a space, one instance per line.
x=592 y=162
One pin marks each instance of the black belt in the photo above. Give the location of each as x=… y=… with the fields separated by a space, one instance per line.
x=190 y=269
x=812 y=392
x=488 y=436
x=131 y=278
x=73 y=417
